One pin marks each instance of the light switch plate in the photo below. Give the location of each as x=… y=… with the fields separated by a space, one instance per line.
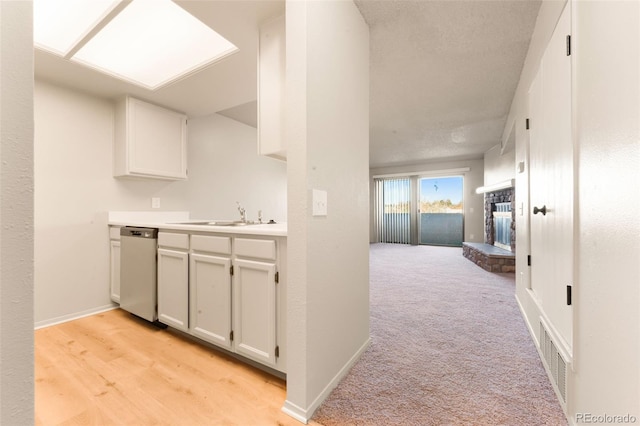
x=319 y=201
x=155 y=203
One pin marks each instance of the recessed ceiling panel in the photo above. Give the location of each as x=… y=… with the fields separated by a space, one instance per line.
x=58 y=25
x=153 y=43
x=150 y=43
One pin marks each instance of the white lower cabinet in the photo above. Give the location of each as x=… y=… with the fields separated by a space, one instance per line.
x=254 y=310
x=210 y=281
x=114 y=263
x=224 y=290
x=173 y=280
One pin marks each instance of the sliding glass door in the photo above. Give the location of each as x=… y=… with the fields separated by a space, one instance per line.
x=419 y=210
x=441 y=211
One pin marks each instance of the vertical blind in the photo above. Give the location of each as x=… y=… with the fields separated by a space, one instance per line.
x=392 y=198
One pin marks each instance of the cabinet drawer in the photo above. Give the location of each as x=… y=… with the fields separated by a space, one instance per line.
x=211 y=244
x=169 y=239
x=114 y=232
x=263 y=249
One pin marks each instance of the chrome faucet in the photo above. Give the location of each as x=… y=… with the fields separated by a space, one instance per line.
x=243 y=217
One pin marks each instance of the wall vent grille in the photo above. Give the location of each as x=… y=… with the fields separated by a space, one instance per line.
x=556 y=364
x=562 y=378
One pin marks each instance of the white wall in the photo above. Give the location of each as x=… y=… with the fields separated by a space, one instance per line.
x=224 y=167
x=499 y=167
x=74 y=190
x=607 y=106
x=473 y=203
x=16 y=214
x=327 y=133
x=605 y=375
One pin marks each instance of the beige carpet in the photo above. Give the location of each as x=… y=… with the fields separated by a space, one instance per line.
x=449 y=347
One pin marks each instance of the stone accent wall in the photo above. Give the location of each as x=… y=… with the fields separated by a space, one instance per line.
x=490 y=199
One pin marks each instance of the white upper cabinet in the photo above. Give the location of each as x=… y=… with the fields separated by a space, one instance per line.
x=271 y=82
x=150 y=141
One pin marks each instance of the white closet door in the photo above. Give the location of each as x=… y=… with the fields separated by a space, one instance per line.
x=552 y=182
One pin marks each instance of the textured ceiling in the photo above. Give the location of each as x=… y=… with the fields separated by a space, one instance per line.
x=443 y=75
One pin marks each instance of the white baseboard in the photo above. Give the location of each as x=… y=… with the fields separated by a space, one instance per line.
x=74 y=316
x=304 y=415
x=523 y=313
x=295 y=411
x=536 y=343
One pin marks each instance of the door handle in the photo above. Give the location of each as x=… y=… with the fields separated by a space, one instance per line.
x=542 y=210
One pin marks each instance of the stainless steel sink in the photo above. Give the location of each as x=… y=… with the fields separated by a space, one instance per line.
x=231 y=223
x=217 y=223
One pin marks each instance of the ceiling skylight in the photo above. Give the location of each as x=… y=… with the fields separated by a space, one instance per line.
x=150 y=43
x=61 y=24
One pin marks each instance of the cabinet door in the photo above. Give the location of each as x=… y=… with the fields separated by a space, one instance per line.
x=254 y=304
x=150 y=141
x=115 y=270
x=158 y=141
x=271 y=84
x=173 y=288
x=210 y=279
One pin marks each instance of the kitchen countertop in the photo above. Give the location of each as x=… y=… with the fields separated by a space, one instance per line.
x=275 y=230
x=180 y=221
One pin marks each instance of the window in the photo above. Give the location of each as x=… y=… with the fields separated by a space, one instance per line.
x=419 y=210
x=392 y=210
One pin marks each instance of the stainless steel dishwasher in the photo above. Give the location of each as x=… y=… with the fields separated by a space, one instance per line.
x=138 y=271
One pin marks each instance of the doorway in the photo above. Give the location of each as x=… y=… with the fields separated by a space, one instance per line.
x=441 y=211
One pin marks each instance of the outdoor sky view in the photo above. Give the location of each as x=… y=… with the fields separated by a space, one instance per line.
x=441 y=195
x=437 y=195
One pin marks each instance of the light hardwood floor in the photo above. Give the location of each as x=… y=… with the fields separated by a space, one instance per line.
x=115 y=369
